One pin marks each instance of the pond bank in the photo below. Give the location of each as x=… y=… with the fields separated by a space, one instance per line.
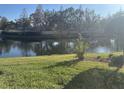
x=55 y=72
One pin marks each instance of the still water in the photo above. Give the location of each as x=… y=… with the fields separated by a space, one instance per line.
x=10 y=48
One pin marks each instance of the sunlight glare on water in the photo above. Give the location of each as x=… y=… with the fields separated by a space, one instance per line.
x=101 y=49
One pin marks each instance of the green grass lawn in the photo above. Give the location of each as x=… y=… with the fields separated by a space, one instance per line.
x=56 y=71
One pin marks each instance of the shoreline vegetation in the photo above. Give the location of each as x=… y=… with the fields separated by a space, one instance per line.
x=58 y=71
x=37 y=35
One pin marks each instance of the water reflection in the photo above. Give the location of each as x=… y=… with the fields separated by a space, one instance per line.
x=9 y=48
x=101 y=49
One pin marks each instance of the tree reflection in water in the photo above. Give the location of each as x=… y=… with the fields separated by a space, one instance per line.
x=9 y=48
x=25 y=48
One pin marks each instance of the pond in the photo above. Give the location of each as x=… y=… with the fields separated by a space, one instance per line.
x=11 y=48
x=102 y=49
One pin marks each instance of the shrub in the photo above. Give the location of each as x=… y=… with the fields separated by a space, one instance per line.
x=98 y=57
x=110 y=55
x=81 y=46
x=117 y=61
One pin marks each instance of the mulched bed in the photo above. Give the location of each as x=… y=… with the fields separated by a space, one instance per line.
x=106 y=60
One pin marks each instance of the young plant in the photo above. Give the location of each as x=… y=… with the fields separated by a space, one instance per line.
x=81 y=46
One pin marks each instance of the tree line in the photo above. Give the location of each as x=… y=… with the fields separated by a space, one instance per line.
x=70 y=19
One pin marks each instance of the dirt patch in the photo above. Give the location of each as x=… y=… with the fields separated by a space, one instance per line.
x=106 y=60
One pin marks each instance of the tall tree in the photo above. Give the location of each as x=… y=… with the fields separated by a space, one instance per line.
x=11 y=25
x=114 y=29
x=86 y=19
x=38 y=19
x=23 y=23
x=3 y=23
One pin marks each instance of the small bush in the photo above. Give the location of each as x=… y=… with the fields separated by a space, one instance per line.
x=117 y=61
x=81 y=46
x=110 y=55
x=98 y=57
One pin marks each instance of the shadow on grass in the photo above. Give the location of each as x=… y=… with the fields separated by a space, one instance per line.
x=95 y=79
x=1 y=72
x=64 y=63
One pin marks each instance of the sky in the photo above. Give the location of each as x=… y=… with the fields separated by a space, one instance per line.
x=13 y=11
